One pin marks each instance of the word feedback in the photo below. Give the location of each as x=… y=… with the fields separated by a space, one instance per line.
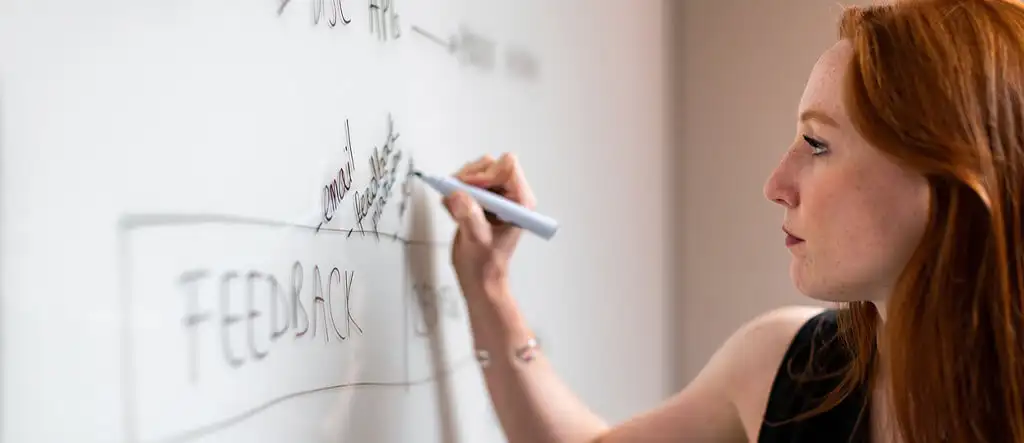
x=328 y=306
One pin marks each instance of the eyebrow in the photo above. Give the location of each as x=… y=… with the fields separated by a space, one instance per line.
x=814 y=114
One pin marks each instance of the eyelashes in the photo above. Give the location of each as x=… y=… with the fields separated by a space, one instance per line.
x=818 y=147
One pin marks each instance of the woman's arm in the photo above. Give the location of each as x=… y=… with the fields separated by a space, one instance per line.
x=531 y=403
x=722 y=404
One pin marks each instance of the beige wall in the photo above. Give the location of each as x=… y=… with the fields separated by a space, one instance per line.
x=738 y=68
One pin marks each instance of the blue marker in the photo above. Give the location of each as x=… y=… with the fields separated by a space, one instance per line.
x=502 y=207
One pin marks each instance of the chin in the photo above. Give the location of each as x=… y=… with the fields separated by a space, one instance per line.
x=829 y=297
x=818 y=289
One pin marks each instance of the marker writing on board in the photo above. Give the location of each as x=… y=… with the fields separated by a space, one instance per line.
x=505 y=209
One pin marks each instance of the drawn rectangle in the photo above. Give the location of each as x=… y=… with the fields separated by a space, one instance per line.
x=217 y=309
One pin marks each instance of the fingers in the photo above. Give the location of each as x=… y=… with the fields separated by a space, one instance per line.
x=474 y=167
x=515 y=184
x=473 y=226
x=469 y=169
x=504 y=176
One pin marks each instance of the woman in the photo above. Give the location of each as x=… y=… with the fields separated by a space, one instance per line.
x=902 y=195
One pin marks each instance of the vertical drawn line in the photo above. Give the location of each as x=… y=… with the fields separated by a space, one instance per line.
x=127 y=353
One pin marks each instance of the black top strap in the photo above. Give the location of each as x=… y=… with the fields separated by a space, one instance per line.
x=812 y=367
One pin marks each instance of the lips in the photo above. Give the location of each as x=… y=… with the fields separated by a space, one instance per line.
x=791 y=239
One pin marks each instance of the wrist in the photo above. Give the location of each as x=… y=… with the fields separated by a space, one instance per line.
x=487 y=290
x=495 y=319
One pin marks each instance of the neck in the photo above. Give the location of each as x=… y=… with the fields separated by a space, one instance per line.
x=883 y=428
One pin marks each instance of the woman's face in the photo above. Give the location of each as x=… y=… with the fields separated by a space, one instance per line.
x=855 y=216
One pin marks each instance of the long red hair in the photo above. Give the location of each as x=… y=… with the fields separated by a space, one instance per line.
x=938 y=85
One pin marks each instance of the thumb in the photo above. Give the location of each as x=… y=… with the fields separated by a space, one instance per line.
x=473 y=225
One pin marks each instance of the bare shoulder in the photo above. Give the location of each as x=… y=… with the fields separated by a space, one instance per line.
x=772 y=329
x=726 y=400
x=752 y=356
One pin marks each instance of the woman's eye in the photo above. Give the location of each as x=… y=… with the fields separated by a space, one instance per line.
x=818 y=147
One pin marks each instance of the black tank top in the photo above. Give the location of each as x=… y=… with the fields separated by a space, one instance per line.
x=797 y=390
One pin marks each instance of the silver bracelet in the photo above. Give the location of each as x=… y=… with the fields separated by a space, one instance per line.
x=525 y=353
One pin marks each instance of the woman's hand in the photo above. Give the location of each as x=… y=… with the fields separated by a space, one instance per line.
x=483 y=245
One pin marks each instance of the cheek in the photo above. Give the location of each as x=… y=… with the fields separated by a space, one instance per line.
x=869 y=224
x=907 y=219
x=841 y=214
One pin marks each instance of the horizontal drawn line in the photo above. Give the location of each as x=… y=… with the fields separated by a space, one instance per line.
x=440 y=41
x=141 y=221
x=228 y=422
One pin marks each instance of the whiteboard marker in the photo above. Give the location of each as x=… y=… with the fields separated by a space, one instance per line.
x=503 y=208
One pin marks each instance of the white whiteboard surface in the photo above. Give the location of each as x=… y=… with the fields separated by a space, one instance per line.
x=164 y=232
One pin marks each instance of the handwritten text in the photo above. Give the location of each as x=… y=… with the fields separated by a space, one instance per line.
x=329 y=304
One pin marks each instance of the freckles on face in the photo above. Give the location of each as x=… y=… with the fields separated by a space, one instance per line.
x=854 y=205
x=860 y=214
x=867 y=216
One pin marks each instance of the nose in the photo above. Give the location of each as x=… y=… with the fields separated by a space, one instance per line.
x=781 y=187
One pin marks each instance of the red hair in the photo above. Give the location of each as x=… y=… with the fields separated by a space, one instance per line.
x=938 y=85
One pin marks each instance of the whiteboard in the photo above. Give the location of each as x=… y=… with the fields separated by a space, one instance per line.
x=208 y=231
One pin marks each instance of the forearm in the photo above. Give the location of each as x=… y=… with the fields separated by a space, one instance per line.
x=530 y=400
